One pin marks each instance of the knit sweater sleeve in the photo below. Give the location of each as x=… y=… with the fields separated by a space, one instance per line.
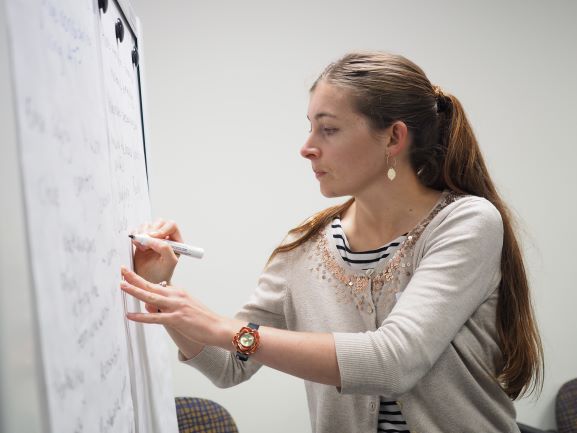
x=265 y=307
x=459 y=269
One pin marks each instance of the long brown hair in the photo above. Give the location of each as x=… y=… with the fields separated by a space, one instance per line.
x=445 y=155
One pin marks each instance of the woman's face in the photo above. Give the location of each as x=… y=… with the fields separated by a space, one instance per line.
x=347 y=157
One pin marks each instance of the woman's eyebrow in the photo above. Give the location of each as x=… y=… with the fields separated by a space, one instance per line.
x=322 y=114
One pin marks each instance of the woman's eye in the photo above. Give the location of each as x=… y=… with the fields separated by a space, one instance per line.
x=330 y=131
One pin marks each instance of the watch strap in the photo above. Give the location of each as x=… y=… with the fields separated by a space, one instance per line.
x=241 y=357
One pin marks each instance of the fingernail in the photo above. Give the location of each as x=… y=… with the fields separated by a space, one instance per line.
x=153 y=233
x=123 y=269
x=123 y=284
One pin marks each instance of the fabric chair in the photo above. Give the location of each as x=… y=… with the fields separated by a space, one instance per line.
x=199 y=415
x=528 y=429
x=566 y=408
x=565 y=411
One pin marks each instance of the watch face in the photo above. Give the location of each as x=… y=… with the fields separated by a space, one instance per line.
x=246 y=340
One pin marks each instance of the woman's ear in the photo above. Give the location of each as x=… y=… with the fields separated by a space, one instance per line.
x=398 y=134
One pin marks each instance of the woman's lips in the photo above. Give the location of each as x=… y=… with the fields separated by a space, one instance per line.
x=320 y=174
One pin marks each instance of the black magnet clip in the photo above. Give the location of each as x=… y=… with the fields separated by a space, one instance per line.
x=119 y=28
x=103 y=4
x=135 y=56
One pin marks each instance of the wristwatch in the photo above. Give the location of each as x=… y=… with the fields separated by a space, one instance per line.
x=246 y=341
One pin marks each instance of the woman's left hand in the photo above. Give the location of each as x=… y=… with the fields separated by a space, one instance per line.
x=175 y=309
x=315 y=360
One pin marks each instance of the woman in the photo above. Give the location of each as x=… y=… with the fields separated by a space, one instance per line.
x=404 y=309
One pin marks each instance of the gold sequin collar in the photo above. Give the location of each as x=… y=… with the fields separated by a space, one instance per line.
x=351 y=285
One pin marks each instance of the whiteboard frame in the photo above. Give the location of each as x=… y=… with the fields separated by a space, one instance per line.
x=127 y=11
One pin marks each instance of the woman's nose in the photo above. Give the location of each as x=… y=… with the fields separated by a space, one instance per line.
x=309 y=150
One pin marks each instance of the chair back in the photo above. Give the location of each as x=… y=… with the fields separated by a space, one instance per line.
x=566 y=408
x=199 y=415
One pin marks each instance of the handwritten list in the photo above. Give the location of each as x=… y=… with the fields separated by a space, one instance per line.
x=130 y=192
x=85 y=186
x=127 y=168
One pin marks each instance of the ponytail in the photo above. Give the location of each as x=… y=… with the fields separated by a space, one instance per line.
x=464 y=171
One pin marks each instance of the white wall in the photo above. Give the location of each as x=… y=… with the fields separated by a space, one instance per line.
x=227 y=97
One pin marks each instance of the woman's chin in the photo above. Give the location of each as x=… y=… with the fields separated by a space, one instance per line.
x=331 y=193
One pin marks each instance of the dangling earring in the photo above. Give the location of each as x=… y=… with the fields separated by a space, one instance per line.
x=391 y=173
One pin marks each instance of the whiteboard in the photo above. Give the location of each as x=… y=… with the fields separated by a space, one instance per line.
x=83 y=172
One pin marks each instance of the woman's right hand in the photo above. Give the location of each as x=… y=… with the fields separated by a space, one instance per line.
x=156 y=261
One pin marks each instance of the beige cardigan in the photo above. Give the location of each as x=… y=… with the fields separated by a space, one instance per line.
x=419 y=329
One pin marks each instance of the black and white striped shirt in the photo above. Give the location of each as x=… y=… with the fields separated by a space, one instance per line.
x=391 y=419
